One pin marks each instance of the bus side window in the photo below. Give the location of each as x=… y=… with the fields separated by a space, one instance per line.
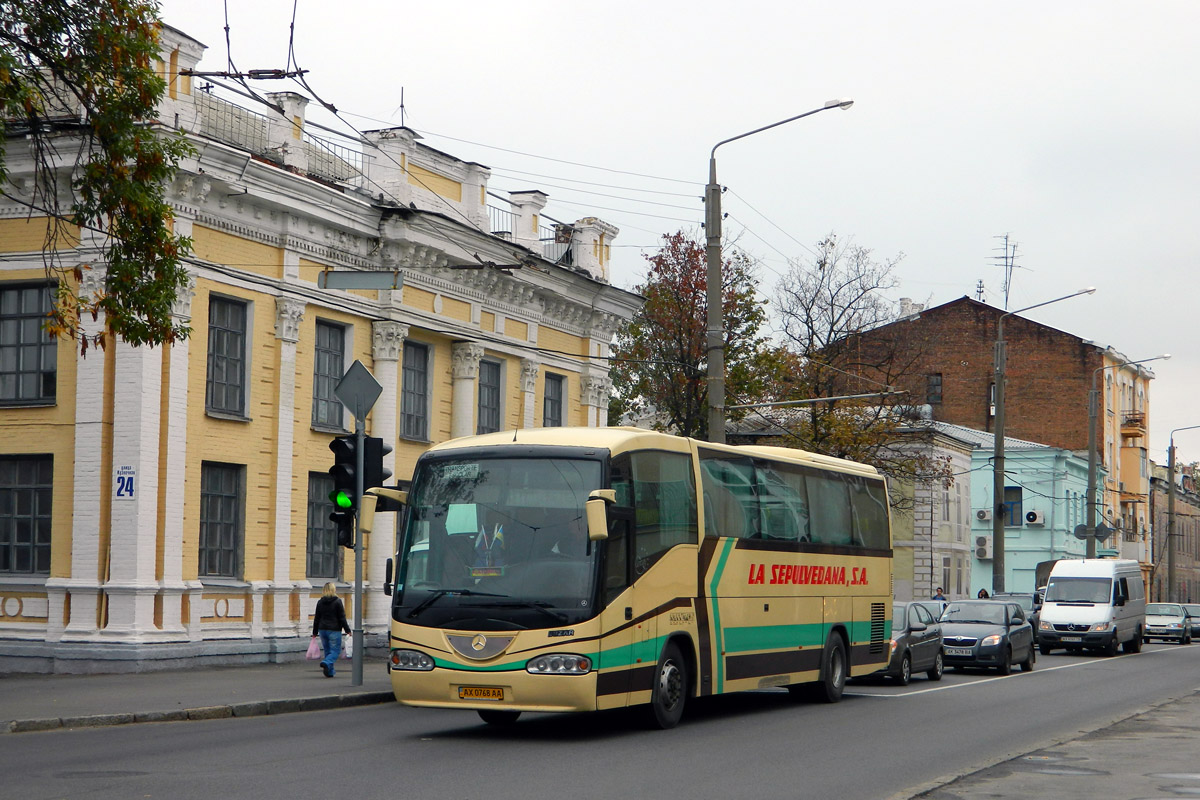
x=829 y=508
x=616 y=562
x=869 y=502
x=664 y=505
x=730 y=502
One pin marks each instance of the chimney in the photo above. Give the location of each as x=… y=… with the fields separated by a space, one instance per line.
x=590 y=243
x=526 y=210
x=285 y=134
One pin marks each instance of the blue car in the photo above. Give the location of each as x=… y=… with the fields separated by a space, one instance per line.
x=987 y=633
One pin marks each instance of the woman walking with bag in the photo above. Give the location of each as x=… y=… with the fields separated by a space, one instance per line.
x=329 y=620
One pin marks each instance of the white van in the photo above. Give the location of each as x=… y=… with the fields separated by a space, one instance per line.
x=1097 y=603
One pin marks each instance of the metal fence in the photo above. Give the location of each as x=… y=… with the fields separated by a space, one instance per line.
x=232 y=124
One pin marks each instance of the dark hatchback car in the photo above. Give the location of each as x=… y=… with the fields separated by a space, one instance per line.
x=1193 y=612
x=987 y=633
x=1030 y=603
x=916 y=644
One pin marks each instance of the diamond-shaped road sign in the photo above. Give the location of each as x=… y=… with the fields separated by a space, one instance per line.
x=358 y=390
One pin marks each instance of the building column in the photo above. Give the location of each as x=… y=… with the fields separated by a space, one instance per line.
x=171 y=583
x=387 y=339
x=289 y=313
x=529 y=376
x=466 y=357
x=133 y=540
x=82 y=588
x=595 y=392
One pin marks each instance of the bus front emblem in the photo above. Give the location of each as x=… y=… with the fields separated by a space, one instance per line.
x=479 y=642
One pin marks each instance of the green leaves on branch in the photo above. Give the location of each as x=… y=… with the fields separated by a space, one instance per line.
x=78 y=79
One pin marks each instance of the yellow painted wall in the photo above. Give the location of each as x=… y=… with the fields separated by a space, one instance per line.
x=516 y=329
x=418 y=299
x=552 y=339
x=438 y=184
x=225 y=248
x=29 y=236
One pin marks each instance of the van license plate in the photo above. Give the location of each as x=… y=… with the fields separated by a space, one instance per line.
x=958 y=651
x=1072 y=638
x=480 y=693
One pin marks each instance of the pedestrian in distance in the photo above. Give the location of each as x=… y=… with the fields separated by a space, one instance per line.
x=329 y=620
x=938 y=594
x=983 y=594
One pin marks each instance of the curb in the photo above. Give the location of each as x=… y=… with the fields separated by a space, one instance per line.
x=251 y=709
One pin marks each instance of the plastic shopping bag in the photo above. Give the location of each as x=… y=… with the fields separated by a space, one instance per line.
x=314 y=649
x=348 y=646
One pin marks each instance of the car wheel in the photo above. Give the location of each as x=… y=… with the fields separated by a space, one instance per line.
x=939 y=667
x=1005 y=667
x=1185 y=639
x=1046 y=649
x=1134 y=645
x=905 y=674
x=493 y=716
x=1027 y=664
x=1114 y=645
x=670 y=689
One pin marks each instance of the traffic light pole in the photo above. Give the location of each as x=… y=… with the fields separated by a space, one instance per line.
x=356 y=675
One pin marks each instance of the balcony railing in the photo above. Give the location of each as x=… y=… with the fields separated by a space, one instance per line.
x=1133 y=423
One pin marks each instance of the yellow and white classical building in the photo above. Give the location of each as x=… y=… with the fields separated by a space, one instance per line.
x=170 y=505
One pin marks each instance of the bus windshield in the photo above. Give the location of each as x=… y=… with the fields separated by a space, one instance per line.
x=498 y=544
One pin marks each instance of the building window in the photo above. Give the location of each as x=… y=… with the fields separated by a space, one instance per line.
x=323 y=558
x=552 y=402
x=28 y=354
x=933 y=388
x=1014 y=517
x=414 y=393
x=225 y=392
x=328 y=366
x=489 y=396
x=222 y=489
x=26 y=494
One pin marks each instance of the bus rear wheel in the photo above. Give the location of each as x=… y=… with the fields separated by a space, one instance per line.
x=833 y=671
x=493 y=716
x=669 y=693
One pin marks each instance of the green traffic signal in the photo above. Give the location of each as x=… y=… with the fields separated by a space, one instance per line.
x=341 y=499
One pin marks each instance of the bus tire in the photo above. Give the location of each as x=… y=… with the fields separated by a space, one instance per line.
x=496 y=716
x=669 y=694
x=833 y=671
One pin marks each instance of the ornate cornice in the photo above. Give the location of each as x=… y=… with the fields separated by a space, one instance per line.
x=596 y=390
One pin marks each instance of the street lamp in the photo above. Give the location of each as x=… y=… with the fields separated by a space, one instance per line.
x=998 y=446
x=1171 y=513
x=716 y=315
x=1093 y=413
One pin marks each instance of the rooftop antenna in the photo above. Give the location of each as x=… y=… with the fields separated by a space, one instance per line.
x=1009 y=262
x=979 y=290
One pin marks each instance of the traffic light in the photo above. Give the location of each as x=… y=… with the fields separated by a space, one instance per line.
x=345 y=474
x=344 y=521
x=373 y=472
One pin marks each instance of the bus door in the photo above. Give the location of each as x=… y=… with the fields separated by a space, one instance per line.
x=615 y=660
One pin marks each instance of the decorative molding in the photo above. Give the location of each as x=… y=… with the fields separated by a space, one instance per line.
x=289 y=312
x=388 y=340
x=181 y=308
x=466 y=360
x=529 y=374
x=93 y=281
x=596 y=390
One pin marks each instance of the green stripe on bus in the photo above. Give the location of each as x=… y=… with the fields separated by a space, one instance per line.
x=716 y=616
x=774 y=637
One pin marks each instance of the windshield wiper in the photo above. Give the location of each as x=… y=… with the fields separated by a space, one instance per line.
x=543 y=607
x=440 y=593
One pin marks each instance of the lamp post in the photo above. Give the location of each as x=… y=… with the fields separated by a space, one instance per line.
x=1093 y=459
x=1000 y=358
x=1171 y=513
x=716 y=315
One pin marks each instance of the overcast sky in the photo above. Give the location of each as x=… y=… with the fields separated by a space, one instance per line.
x=1073 y=127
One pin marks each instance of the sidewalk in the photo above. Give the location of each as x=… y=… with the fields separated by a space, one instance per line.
x=44 y=702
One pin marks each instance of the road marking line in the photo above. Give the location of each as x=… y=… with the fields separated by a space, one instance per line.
x=1013 y=675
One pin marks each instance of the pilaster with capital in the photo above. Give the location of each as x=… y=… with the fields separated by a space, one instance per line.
x=529 y=375
x=595 y=391
x=289 y=314
x=387 y=345
x=465 y=370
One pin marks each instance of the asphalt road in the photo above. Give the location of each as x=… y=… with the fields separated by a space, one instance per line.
x=881 y=741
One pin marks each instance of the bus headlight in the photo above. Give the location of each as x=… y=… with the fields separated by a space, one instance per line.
x=413 y=660
x=559 y=664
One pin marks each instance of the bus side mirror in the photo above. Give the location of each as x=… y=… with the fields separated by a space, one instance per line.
x=597 y=513
x=387 y=578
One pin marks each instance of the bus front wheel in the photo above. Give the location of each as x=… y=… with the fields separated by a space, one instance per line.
x=670 y=689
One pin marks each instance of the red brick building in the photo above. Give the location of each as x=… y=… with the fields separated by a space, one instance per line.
x=950 y=352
